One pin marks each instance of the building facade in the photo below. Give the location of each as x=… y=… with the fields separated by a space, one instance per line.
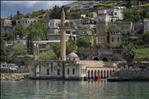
x=113 y=39
x=146 y=25
x=25 y=22
x=72 y=69
x=6 y=22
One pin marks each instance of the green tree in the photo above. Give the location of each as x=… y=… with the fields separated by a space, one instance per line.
x=47 y=55
x=19 y=30
x=71 y=46
x=16 y=51
x=129 y=53
x=77 y=13
x=134 y=14
x=36 y=31
x=56 y=48
x=55 y=13
x=3 y=50
x=83 y=42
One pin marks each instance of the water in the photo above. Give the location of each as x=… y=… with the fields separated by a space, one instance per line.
x=73 y=90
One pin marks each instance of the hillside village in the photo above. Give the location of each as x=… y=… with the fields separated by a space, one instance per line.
x=96 y=30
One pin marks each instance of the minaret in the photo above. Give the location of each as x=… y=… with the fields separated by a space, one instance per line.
x=63 y=37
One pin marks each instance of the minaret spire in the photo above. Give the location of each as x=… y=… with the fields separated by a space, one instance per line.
x=63 y=37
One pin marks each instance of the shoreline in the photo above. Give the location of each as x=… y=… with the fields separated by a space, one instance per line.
x=13 y=76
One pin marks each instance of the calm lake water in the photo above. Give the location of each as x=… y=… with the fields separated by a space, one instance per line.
x=73 y=90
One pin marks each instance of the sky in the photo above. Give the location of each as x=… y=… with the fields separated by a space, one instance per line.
x=10 y=7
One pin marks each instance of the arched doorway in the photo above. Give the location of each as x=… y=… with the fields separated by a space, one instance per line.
x=96 y=58
x=89 y=74
x=104 y=74
x=105 y=59
x=98 y=73
x=101 y=73
x=94 y=73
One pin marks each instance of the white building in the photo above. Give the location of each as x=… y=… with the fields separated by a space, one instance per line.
x=102 y=11
x=25 y=22
x=118 y=12
x=54 y=23
x=146 y=25
x=104 y=18
x=108 y=15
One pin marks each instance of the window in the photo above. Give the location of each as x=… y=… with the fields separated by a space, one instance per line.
x=47 y=71
x=118 y=39
x=51 y=67
x=73 y=71
x=58 y=71
x=112 y=39
x=68 y=71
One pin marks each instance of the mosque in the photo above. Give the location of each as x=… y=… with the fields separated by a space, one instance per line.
x=70 y=67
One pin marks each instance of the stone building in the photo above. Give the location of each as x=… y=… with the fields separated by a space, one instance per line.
x=110 y=15
x=113 y=39
x=25 y=22
x=54 y=25
x=146 y=25
x=54 y=30
x=108 y=34
x=72 y=69
x=6 y=22
x=125 y=27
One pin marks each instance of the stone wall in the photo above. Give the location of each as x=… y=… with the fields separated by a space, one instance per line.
x=132 y=74
x=13 y=76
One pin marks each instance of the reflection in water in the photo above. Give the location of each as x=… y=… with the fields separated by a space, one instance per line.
x=73 y=90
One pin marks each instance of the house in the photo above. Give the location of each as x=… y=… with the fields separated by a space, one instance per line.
x=25 y=22
x=103 y=18
x=54 y=25
x=6 y=22
x=125 y=27
x=110 y=15
x=117 y=12
x=92 y=14
x=113 y=39
x=146 y=25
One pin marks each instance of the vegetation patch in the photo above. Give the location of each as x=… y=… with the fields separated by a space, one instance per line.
x=142 y=53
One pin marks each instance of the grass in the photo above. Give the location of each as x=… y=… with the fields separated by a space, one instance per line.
x=108 y=64
x=142 y=53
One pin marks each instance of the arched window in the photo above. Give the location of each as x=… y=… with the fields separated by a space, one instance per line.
x=98 y=73
x=58 y=71
x=95 y=73
x=68 y=71
x=88 y=73
x=91 y=73
x=47 y=71
x=73 y=71
x=102 y=73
